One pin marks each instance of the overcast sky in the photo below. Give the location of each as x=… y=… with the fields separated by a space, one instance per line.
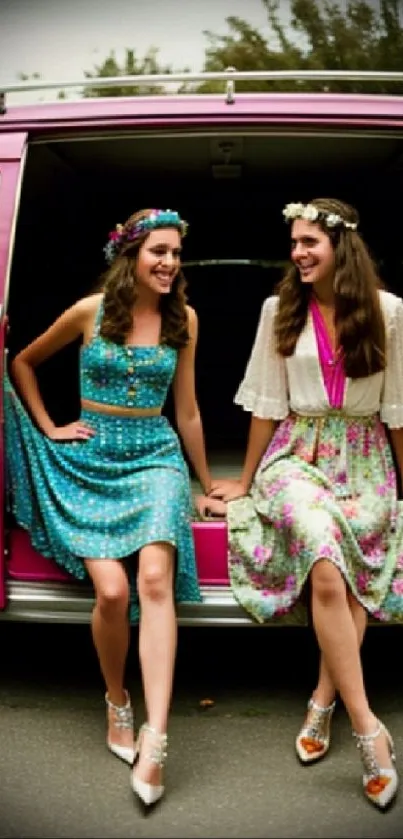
x=60 y=39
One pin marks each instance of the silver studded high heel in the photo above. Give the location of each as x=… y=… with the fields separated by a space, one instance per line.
x=380 y=784
x=121 y=717
x=150 y=793
x=313 y=740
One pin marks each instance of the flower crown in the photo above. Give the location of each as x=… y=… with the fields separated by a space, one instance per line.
x=124 y=234
x=309 y=212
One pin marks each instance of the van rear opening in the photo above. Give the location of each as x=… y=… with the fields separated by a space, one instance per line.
x=230 y=187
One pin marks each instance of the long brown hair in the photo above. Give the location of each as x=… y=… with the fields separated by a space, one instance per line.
x=358 y=315
x=119 y=284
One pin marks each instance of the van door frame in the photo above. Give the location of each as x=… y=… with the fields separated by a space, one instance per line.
x=12 y=162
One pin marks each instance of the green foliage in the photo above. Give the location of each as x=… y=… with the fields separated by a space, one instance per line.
x=26 y=77
x=132 y=66
x=244 y=48
x=320 y=36
x=360 y=39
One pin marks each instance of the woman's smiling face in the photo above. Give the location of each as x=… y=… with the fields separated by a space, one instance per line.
x=312 y=252
x=158 y=260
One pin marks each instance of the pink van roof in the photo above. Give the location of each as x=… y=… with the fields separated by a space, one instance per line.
x=307 y=108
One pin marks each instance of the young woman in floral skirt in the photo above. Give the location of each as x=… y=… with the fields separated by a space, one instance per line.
x=317 y=500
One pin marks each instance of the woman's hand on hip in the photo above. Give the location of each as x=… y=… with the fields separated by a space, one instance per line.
x=73 y=431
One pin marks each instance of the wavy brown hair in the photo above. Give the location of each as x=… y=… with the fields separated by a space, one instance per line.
x=119 y=284
x=358 y=315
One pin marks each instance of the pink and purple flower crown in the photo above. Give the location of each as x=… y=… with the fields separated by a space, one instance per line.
x=124 y=234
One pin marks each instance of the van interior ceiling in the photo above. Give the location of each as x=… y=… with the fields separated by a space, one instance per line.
x=231 y=188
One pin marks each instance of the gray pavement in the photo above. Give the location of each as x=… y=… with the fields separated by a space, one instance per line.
x=231 y=769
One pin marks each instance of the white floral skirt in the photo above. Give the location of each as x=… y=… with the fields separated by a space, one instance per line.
x=325 y=489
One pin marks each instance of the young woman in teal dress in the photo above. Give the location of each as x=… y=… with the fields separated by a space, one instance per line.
x=317 y=500
x=108 y=496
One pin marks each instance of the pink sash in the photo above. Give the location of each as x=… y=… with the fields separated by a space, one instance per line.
x=330 y=362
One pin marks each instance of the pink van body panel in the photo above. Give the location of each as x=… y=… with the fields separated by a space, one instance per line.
x=11 y=150
x=257 y=104
x=206 y=110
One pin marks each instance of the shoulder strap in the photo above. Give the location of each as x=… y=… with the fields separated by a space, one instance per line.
x=98 y=319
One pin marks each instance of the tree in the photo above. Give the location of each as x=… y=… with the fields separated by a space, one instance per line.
x=321 y=37
x=132 y=66
x=244 y=48
x=26 y=77
x=362 y=39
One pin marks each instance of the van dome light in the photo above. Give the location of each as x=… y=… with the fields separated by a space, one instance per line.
x=227 y=168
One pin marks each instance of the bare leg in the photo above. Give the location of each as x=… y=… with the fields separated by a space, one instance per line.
x=337 y=637
x=325 y=690
x=111 y=635
x=157 y=644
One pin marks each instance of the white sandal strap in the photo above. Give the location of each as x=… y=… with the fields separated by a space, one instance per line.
x=320 y=717
x=322 y=709
x=366 y=746
x=123 y=713
x=158 y=748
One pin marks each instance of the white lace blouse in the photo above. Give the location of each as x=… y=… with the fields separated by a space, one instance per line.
x=273 y=386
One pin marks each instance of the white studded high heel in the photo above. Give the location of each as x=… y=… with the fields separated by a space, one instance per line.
x=313 y=740
x=121 y=717
x=380 y=784
x=150 y=793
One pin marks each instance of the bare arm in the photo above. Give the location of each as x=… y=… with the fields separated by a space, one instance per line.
x=65 y=329
x=186 y=407
x=396 y=435
x=261 y=432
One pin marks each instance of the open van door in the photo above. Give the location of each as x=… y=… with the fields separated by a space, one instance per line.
x=12 y=157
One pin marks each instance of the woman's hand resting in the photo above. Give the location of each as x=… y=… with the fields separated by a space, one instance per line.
x=210 y=508
x=73 y=431
x=228 y=489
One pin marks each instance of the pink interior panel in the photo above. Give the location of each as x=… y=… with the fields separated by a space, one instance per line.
x=211 y=545
x=24 y=563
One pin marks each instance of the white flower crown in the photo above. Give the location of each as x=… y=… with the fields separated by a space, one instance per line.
x=309 y=212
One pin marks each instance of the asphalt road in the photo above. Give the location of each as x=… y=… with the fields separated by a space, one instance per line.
x=231 y=770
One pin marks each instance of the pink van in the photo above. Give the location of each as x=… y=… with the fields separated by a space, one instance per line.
x=70 y=170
